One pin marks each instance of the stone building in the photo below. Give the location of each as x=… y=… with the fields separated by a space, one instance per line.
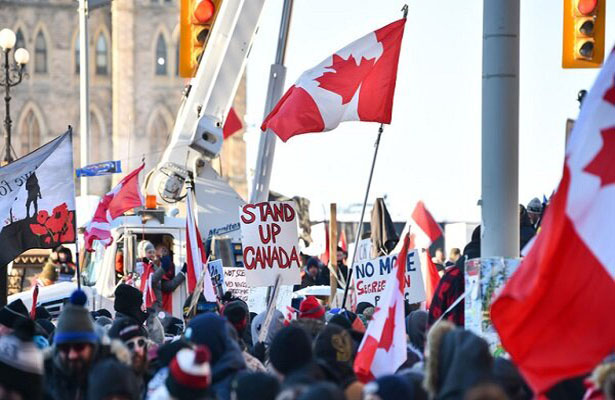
x=135 y=89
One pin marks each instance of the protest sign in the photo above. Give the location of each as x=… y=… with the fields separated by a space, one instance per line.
x=370 y=278
x=217 y=274
x=235 y=282
x=484 y=277
x=257 y=299
x=270 y=243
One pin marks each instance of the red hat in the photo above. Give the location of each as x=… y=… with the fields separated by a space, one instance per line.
x=190 y=373
x=311 y=308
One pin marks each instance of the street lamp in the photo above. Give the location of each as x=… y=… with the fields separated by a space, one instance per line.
x=13 y=75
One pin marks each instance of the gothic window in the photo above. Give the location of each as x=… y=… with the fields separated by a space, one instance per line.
x=102 y=56
x=20 y=43
x=40 y=53
x=29 y=134
x=161 y=56
x=158 y=134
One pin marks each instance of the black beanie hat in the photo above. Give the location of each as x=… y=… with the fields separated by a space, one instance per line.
x=42 y=313
x=290 y=350
x=12 y=313
x=237 y=314
x=255 y=386
x=126 y=329
x=46 y=326
x=21 y=362
x=362 y=306
x=128 y=301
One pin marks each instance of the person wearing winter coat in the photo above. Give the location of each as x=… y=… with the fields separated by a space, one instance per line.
x=457 y=361
x=333 y=350
x=76 y=349
x=227 y=361
x=157 y=267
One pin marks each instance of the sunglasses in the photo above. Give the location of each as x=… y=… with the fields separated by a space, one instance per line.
x=136 y=343
x=78 y=347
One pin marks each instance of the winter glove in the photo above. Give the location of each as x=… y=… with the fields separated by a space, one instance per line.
x=185 y=268
x=165 y=263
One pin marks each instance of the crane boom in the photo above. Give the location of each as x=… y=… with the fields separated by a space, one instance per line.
x=197 y=134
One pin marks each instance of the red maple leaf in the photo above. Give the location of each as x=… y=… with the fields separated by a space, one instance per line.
x=347 y=76
x=388 y=330
x=602 y=165
x=609 y=95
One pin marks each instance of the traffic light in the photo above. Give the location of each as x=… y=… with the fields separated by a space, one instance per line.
x=583 y=34
x=196 y=19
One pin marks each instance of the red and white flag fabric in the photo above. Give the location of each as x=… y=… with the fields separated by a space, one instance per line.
x=196 y=258
x=383 y=348
x=432 y=278
x=124 y=196
x=232 y=124
x=424 y=230
x=149 y=296
x=34 y=301
x=554 y=314
x=357 y=83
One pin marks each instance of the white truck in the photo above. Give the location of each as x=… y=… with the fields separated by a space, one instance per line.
x=196 y=139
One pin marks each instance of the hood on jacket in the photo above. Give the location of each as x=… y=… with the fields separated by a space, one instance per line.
x=226 y=358
x=416 y=325
x=457 y=361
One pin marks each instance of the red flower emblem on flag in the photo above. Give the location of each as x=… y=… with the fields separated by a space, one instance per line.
x=55 y=227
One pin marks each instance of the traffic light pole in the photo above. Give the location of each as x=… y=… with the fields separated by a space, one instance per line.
x=84 y=91
x=500 y=129
x=266 y=145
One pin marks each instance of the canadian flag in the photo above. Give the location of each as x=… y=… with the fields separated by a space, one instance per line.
x=424 y=230
x=196 y=258
x=383 y=348
x=123 y=197
x=554 y=316
x=356 y=83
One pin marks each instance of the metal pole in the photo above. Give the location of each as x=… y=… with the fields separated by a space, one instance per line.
x=7 y=102
x=358 y=238
x=4 y=279
x=84 y=98
x=266 y=145
x=500 y=129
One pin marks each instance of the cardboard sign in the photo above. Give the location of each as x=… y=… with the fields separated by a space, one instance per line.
x=484 y=278
x=217 y=274
x=269 y=236
x=257 y=299
x=235 y=282
x=370 y=278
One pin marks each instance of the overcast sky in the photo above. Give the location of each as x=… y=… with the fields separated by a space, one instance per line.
x=431 y=150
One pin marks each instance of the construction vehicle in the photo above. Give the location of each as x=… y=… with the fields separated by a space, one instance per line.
x=196 y=139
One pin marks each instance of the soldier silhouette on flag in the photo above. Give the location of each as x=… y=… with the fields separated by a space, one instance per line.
x=34 y=193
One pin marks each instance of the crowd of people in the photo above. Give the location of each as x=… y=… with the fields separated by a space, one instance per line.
x=222 y=351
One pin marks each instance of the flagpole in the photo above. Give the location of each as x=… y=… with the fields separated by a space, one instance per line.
x=358 y=238
x=77 y=261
